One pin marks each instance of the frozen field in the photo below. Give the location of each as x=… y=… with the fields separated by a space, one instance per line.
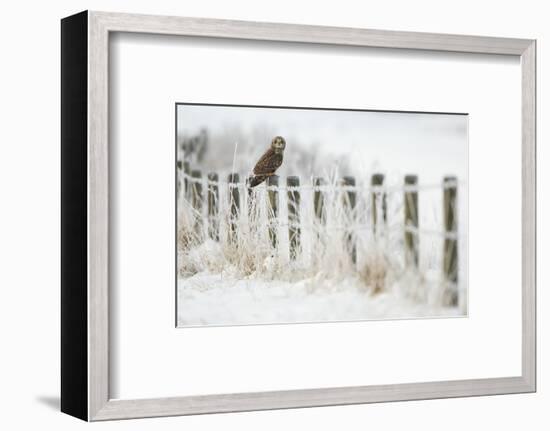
x=222 y=299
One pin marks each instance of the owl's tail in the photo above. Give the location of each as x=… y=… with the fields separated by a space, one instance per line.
x=254 y=180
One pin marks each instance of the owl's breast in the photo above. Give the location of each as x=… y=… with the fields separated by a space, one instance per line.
x=278 y=160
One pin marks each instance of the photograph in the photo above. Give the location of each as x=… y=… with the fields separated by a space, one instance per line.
x=295 y=215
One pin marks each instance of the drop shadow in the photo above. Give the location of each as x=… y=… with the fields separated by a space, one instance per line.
x=50 y=401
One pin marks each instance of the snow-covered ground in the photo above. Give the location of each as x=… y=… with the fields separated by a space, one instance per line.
x=223 y=299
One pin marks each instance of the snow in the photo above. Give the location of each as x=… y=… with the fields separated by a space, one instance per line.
x=224 y=299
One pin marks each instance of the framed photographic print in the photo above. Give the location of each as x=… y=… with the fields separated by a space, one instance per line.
x=260 y=216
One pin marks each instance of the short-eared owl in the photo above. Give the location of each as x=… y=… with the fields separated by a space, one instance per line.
x=269 y=162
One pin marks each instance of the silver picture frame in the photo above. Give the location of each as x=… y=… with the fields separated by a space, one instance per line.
x=85 y=215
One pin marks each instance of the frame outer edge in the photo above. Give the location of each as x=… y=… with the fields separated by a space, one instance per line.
x=269 y=31
x=100 y=406
x=529 y=165
x=98 y=208
x=229 y=403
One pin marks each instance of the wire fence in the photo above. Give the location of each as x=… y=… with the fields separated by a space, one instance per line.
x=358 y=209
x=187 y=180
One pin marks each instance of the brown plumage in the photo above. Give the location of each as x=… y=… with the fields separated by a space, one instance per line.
x=271 y=160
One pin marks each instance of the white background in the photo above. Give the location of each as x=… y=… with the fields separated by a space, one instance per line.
x=29 y=228
x=153 y=359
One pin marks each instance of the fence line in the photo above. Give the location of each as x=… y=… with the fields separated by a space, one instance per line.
x=329 y=188
x=332 y=227
x=203 y=194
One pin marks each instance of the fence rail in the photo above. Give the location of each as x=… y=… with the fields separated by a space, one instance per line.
x=323 y=187
x=205 y=192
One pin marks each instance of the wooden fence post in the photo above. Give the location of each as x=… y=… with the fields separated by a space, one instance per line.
x=234 y=205
x=272 y=208
x=251 y=206
x=350 y=197
x=179 y=169
x=187 y=172
x=293 y=196
x=411 y=220
x=196 y=199
x=319 y=200
x=378 y=201
x=450 y=249
x=213 y=207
